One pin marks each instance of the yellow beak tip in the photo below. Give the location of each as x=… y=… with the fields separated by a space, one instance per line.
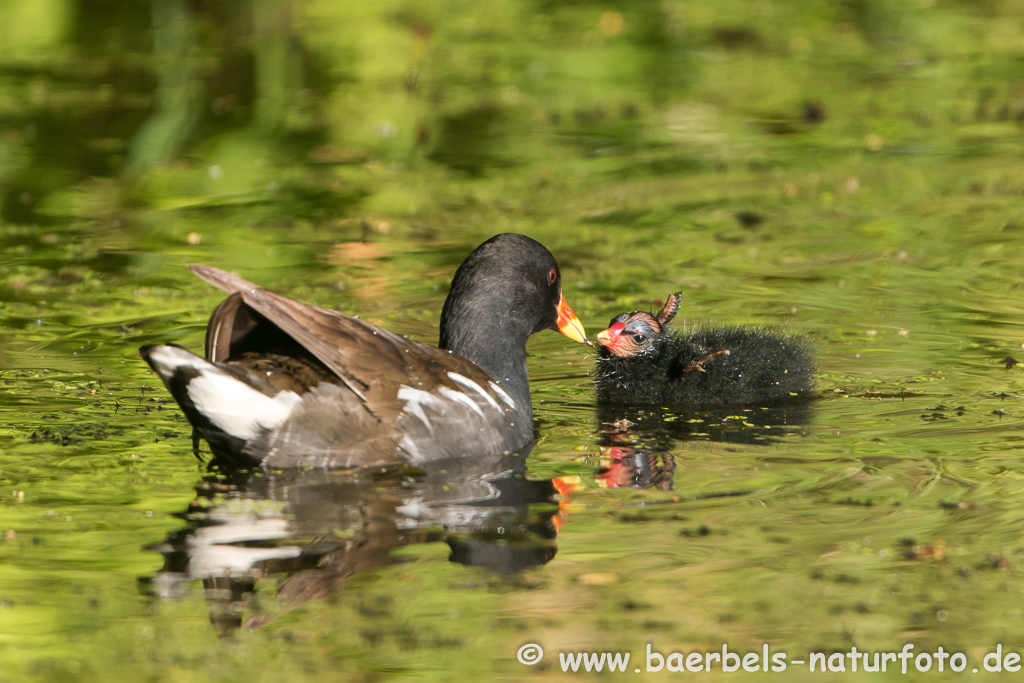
x=573 y=329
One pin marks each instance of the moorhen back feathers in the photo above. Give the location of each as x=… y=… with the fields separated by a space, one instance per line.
x=643 y=363
x=291 y=384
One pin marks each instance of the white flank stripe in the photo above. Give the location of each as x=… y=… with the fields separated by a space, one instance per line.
x=460 y=397
x=415 y=399
x=412 y=448
x=466 y=382
x=504 y=397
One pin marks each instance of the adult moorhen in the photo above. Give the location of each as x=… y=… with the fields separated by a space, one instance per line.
x=643 y=363
x=289 y=384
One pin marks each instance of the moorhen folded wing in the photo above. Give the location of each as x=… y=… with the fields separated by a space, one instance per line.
x=289 y=384
x=642 y=362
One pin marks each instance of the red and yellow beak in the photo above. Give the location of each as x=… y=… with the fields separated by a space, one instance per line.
x=611 y=337
x=569 y=325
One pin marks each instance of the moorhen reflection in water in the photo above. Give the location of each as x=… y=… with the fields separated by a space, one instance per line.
x=318 y=527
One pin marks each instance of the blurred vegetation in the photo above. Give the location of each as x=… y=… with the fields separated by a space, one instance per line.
x=850 y=170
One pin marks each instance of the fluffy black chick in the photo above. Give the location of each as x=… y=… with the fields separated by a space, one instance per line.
x=641 y=362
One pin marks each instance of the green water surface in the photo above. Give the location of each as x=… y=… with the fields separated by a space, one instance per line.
x=850 y=170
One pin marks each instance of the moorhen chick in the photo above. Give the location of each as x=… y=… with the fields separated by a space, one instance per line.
x=289 y=384
x=643 y=363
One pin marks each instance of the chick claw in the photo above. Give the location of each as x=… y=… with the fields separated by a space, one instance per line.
x=698 y=365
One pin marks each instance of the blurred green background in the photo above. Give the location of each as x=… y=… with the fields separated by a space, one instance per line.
x=848 y=170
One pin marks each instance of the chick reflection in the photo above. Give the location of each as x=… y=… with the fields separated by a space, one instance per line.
x=623 y=466
x=635 y=443
x=316 y=528
x=661 y=428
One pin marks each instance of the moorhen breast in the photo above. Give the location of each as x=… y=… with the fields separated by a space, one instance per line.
x=642 y=362
x=289 y=384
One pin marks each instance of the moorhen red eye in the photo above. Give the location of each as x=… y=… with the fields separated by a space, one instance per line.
x=701 y=367
x=289 y=384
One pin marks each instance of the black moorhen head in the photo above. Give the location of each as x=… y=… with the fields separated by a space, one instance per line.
x=643 y=363
x=289 y=384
